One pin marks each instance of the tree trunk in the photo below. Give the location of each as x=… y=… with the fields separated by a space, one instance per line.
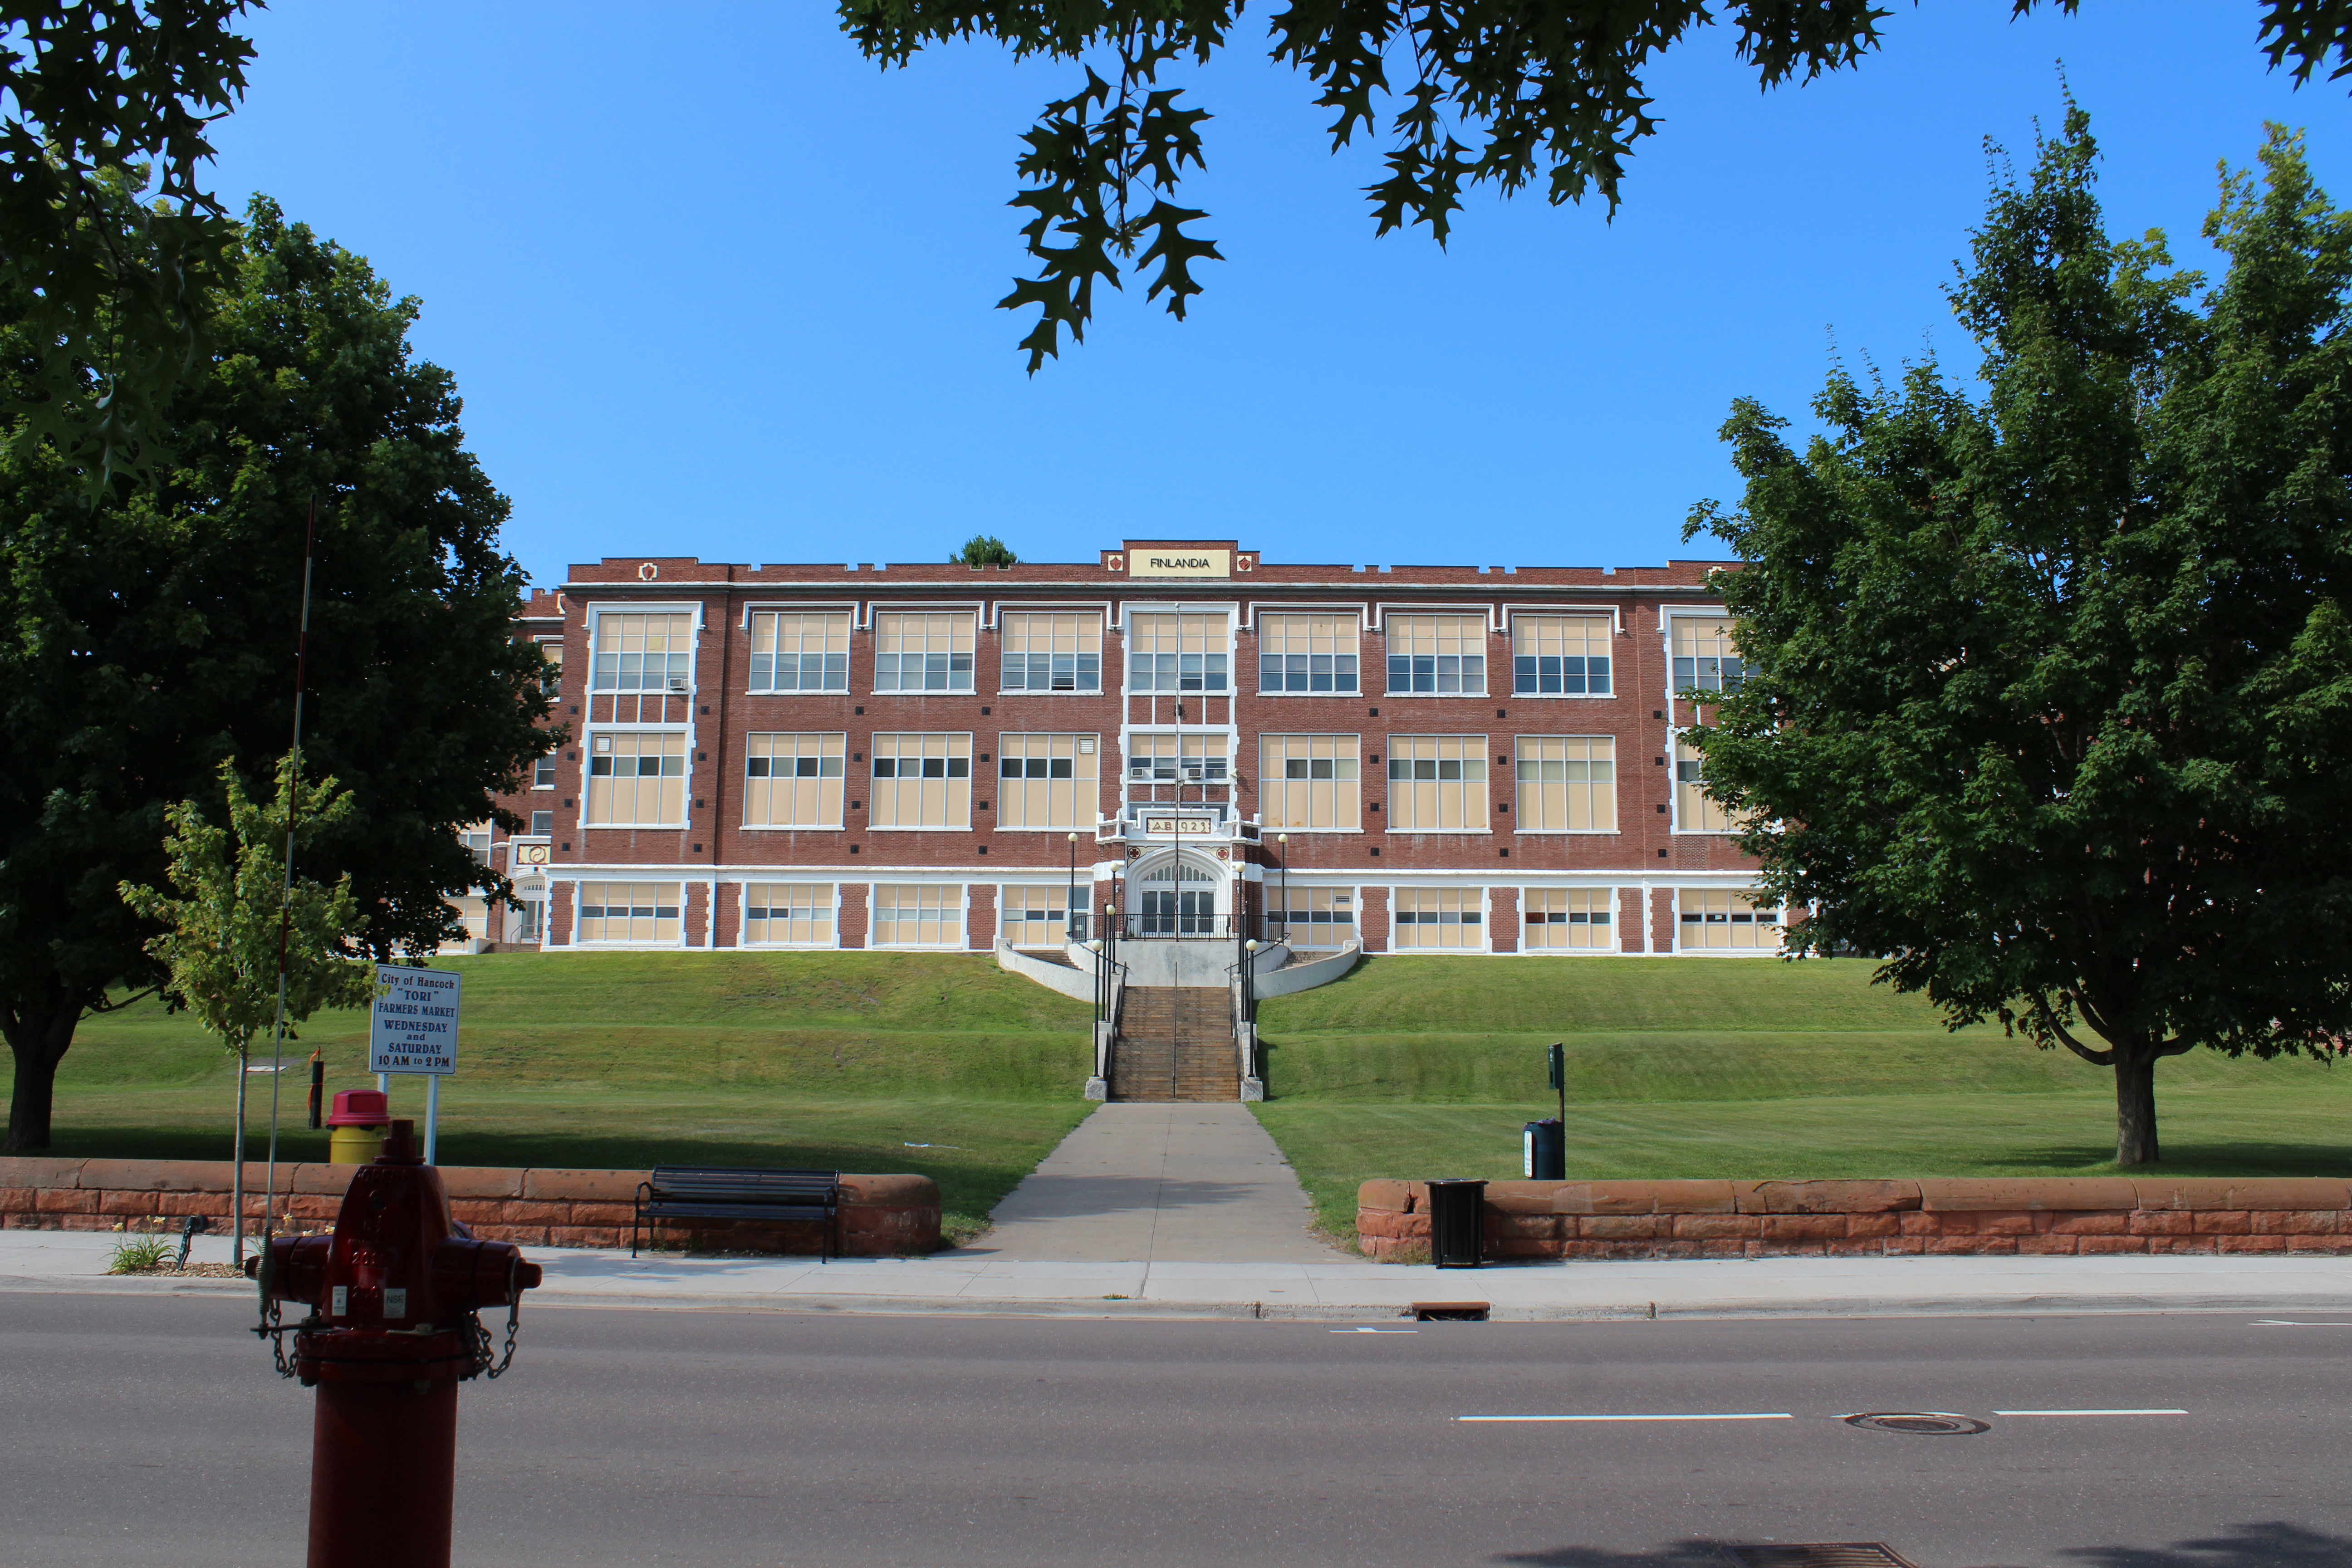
x=2135 y=1107
x=38 y=1040
x=236 y=1173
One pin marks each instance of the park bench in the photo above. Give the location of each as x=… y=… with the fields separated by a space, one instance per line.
x=718 y=1192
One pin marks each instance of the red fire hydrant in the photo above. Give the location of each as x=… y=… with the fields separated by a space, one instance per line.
x=391 y=1332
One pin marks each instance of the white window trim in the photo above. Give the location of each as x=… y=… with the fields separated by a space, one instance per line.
x=1486 y=659
x=1127 y=614
x=1485 y=919
x=991 y=625
x=1254 y=609
x=1616 y=948
x=596 y=612
x=685 y=794
x=1616 y=784
x=963 y=943
x=1674 y=915
x=972 y=607
x=742 y=919
x=680 y=945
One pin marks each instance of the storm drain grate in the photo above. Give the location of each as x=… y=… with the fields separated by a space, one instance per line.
x=1921 y=1422
x=1828 y=1555
x=1449 y=1312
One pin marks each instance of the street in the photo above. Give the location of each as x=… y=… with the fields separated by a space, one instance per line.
x=154 y=1429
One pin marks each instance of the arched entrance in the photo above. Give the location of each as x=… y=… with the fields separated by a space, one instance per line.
x=1176 y=895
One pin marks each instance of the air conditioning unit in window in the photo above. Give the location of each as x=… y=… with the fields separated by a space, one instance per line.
x=677 y=685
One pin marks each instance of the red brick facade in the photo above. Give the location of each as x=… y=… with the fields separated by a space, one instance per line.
x=691 y=880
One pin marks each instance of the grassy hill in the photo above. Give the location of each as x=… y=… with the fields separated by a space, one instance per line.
x=1421 y=1067
x=936 y=1063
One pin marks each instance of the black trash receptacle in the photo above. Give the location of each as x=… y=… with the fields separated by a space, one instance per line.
x=1543 y=1151
x=1455 y=1222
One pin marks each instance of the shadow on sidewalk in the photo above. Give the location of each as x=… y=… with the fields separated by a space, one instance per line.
x=2271 y=1544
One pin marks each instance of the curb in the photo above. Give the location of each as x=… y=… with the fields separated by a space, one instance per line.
x=1163 y=1310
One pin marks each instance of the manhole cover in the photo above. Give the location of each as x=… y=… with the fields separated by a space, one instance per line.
x=1928 y=1423
x=1829 y=1554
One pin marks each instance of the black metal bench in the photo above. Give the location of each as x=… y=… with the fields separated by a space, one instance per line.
x=720 y=1192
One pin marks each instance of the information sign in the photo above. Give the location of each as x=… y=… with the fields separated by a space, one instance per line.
x=415 y=1027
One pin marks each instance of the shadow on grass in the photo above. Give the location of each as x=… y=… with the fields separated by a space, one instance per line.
x=2188 y=1159
x=2271 y=1544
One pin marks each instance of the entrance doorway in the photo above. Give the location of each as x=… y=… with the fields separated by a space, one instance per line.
x=1176 y=898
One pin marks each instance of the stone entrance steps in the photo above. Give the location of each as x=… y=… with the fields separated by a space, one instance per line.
x=1175 y=1043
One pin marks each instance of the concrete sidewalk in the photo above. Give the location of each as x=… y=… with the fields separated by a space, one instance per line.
x=1339 y=1292
x=1144 y=1182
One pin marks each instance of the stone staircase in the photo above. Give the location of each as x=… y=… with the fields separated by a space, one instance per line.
x=1175 y=1043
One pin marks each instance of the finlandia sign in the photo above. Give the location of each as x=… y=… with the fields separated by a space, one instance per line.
x=1180 y=563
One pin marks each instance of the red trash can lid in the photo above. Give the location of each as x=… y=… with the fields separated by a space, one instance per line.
x=361 y=1108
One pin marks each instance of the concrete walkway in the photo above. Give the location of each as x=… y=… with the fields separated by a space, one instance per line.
x=2298 y=1290
x=1157 y=1184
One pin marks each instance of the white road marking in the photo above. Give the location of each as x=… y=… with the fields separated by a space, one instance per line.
x=2290 y=1323
x=1375 y=1331
x=1736 y=1415
x=2090 y=1413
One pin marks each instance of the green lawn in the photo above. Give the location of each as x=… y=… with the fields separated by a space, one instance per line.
x=836 y=1060
x=1410 y=1067
x=1729 y=1068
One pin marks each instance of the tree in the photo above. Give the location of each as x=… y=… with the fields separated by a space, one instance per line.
x=148 y=640
x=984 y=549
x=241 y=947
x=111 y=288
x=2049 y=691
x=1549 y=89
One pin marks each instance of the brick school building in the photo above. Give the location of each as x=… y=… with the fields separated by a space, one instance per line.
x=1181 y=736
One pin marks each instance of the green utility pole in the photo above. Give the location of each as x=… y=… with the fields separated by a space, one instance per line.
x=1555 y=1063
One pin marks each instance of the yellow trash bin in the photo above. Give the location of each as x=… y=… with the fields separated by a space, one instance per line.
x=356 y=1133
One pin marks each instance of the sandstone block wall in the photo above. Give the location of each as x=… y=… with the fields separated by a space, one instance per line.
x=1879 y=1218
x=881 y=1215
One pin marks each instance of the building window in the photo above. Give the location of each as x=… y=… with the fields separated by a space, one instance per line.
x=1437 y=783
x=788 y=914
x=636 y=780
x=1311 y=917
x=1047 y=781
x=1562 y=920
x=1439 y=919
x=1561 y=655
x=645 y=653
x=1176 y=653
x=1306 y=653
x=1310 y=781
x=628 y=911
x=792 y=651
x=1177 y=759
x=1714 y=920
x=1037 y=917
x=531 y=919
x=922 y=652
x=1437 y=655
x=1693 y=812
x=1704 y=657
x=794 y=781
x=543 y=771
x=551 y=679
x=917 y=916
x=542 y=824
x=477 y=841
x=1053 y=652
x=1568 y=783
x=921 y=781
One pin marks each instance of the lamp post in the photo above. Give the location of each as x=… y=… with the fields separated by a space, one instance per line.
x=1070 y=899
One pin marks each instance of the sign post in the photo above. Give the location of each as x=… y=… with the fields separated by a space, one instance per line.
x=414 y=1030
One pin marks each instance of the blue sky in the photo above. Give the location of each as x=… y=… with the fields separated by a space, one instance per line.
x=721 y=288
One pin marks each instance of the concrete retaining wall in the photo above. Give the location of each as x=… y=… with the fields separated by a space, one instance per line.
x=1077 y=983
x=880 y=1216
x=1760 y=1220
x=1305 y=974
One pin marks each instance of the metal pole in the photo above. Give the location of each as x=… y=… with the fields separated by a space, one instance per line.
x=432 y=1115
x=284 y=908
x=1283 y=841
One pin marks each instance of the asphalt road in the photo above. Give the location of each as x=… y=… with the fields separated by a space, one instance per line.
x=152 y=1430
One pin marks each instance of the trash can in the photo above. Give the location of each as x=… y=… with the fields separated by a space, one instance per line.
x=1543 y=1151
x=1455 y=1222
x=357 y=1127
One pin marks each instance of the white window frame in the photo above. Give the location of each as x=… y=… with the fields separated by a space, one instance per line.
x=691 y=608
x=588 y=762
x=1563 y=613
x=751 y=639
x=1128 y=612
x=962 y=940
x=1485 y=917
x=970 y=806
x=847 y=780
x=651 y=944
x=744 y=916
x=1409 y=612
x=1613 y=895
x=1675 y=902
x=1519 y=792
x=1261 y=613
x=1102 y=636
x=1357 y=739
